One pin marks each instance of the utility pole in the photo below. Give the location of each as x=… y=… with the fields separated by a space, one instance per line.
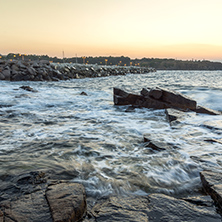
x=76 y=59
x=63 y=55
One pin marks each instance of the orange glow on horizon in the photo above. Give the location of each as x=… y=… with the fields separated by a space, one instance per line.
x=182 y=29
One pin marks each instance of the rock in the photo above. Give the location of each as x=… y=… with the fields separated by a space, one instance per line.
x=83 y=94
x=31 y=71
x=67 y=201
x=200 y=200
x=212 y=184
x=22 y=65
x=18 y=77
x=7 y=74
x=166 y=99
x=145 y=92
x=177 y=100
x=31 y=207
x=28 y=88
x=213 y=141
x=15 y=67
x=31 y=197
x=159 y=98
x=204 y=110
x=154 y=93
x=123 y=98
x=174 y=115
x=155 y=145
x=155 y=207
x=2 y=77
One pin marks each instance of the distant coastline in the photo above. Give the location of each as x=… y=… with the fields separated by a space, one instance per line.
x=156 y=63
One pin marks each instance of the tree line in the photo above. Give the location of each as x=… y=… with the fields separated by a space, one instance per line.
x=157 y=63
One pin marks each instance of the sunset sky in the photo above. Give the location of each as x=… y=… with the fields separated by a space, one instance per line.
x=180 y=29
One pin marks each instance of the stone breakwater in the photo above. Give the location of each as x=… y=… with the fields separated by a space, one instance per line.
x=45 y=71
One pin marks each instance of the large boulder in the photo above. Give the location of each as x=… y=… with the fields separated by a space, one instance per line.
x=32 y=197
x=67 y=201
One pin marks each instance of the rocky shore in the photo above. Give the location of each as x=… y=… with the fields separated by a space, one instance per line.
x=18 y=70
x=37 y=196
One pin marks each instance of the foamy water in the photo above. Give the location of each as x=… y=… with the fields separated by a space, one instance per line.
x=58 y=129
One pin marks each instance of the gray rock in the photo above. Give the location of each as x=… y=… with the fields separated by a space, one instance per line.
x=67 y=201
x=22 y=65
x=155 y=207
x=15 y=67
x=31 y=207
x=18 y=77
x=155 y=145
x=175 y=115
x=28 y=88
x=31 y=197
x=204 y=110
x=31 y=71
x=2 y=77
x=7 y=74
x=212 y=184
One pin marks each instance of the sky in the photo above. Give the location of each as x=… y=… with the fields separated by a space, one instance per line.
x=179 y=29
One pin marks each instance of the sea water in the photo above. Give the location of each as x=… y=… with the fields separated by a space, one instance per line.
x=101 y=145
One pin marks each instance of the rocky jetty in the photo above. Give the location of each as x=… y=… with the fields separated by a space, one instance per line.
x=37 y=197
x=159 y=98
x=45 y=71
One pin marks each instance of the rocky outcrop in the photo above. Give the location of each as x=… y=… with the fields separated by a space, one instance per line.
x=159 y=98
x=35 y=197
x=155 y=207
x=32 y=197
x=45 y=71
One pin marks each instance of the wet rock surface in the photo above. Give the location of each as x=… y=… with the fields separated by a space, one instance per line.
x=155 y=207
x=32 y=197
x=45 y=71
x=212 y=184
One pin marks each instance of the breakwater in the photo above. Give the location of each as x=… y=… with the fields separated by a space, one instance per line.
x=17 y=70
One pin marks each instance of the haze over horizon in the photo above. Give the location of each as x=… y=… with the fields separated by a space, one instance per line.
x=182 y=29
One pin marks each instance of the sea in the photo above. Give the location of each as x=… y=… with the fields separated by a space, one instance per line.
x=87 y=139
